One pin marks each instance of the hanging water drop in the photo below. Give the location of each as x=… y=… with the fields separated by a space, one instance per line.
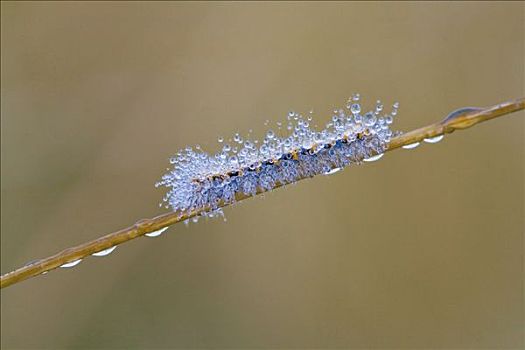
x=411 y=146
x=156 y=233
x=71 y=263
x=435 y=139
x=332 y=171
x=374 y=158
x=105 y=251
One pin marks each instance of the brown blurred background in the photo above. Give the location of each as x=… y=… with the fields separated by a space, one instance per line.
x=423 y=249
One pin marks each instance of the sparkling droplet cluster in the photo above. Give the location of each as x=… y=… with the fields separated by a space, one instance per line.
x=244 y=167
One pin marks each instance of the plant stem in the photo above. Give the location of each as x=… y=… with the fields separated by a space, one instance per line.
x=458 y=120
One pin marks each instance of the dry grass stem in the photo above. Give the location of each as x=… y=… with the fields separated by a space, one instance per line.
x=458 y=120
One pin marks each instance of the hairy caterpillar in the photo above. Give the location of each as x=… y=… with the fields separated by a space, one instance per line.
x=202 y=181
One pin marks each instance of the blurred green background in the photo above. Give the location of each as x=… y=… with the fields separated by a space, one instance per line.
x=423 y=249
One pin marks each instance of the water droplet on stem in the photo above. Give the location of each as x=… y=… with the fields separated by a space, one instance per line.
x=374 y=158
x=332 y=171
x=105 y=251
x=411 y=146
x=435 y=139
x=156 y=233
x=71 y=263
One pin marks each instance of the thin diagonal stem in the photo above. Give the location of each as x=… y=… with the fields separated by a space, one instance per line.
x=458 y=120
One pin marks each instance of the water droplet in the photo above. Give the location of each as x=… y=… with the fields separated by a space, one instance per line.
x=71 y=263
x=332 y=171
x=369 y=119
x=379 y=107
x=105 y=251
x=237 y=138
x=156 y=233
x=411 y=146
x=435 y=139
x=374 y=158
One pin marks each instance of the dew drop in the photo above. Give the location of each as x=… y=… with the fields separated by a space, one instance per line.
x=355 y=108
x=105 y=251
x=332 y=171
x=379 y=107
x=71 y=263
x=237 y=138
x=369 y=119
x=411 y=146
x=156 y=233
x=374 y=158
x=434 y=139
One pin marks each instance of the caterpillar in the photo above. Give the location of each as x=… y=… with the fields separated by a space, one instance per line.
x=204 y=182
